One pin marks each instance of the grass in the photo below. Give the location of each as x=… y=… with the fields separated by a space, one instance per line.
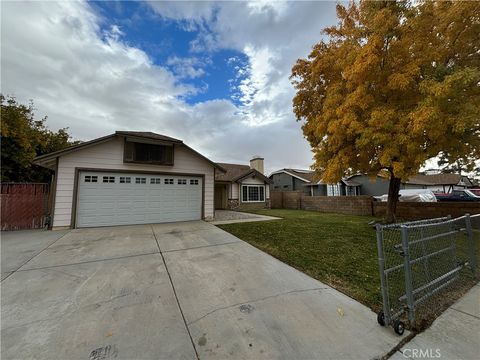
x=339 y=250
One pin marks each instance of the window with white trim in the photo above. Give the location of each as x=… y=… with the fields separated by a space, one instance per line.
x=168 y=181
x=333 y=189
x=154 y=180
x=194 y=182
x=253 y=193
x=140 y=180
x=182 y=181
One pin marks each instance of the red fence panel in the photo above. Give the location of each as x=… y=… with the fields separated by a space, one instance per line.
x=24 y=206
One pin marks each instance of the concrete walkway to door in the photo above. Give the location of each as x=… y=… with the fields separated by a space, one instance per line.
x=180 y=290
x=231 y=217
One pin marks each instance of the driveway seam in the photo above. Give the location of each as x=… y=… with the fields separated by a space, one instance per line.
x=175 y=294
x=34 y=256
x=203 y=246
x=257 y=300
x=89 y=261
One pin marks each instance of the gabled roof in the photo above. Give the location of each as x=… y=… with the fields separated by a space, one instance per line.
x=46 y=160
x=232 y=171
x=436 y=179
x=303 y=175
x=254 y=173
x=237 y=172
x=148 y=135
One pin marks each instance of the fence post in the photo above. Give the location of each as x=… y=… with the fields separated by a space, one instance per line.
x=408 y=276
x=381 y=267
x=471 y=245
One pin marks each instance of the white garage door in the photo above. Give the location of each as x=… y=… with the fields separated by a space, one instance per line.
x=122 y=198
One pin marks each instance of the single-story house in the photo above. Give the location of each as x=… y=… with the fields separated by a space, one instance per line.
x=439 y=183
x=361 y=184
x=130 y=178
x=303 y=180
x=370 y=186
x=242 y=187
x=296 y=180
x=345 y=187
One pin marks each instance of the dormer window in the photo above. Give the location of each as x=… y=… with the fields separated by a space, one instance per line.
x=136 y=152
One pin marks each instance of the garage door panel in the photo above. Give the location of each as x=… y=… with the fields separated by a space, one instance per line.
x=154 y=201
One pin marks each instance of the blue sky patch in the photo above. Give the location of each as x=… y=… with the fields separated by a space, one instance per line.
x=168 y=43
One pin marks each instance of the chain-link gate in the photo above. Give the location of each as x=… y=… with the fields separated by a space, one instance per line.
x=419 y=259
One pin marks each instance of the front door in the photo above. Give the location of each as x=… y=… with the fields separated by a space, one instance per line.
x=220 y=196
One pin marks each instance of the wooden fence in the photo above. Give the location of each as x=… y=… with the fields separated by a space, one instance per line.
x=24 y=206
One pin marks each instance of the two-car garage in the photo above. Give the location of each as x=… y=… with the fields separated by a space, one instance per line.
x=128 y=178
x=116 y=198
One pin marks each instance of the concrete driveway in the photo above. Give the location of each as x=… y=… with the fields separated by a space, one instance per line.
x=182 y=290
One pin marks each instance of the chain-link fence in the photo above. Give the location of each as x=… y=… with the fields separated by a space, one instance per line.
x=424 y=266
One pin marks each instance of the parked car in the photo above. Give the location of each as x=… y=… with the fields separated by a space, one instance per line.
x=458 y=195
x=475 y=191
x=412 y=195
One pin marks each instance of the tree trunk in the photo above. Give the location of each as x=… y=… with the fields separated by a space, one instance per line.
x=393 y=190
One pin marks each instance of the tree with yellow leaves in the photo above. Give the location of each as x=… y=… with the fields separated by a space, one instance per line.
x=395 y=84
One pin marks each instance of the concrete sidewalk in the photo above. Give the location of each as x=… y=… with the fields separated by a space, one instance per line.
x=454 y=335
x=231 y=217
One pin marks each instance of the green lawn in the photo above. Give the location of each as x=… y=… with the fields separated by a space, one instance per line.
x=339 y=250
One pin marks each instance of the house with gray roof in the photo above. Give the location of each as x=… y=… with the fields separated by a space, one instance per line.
x=362 y=184
x=297 y=180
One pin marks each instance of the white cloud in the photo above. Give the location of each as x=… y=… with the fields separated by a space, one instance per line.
x=94 y=83
x=187 y=68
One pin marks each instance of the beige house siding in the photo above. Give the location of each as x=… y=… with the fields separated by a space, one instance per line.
x=234 y=191
x=109 y=155
x=249 y=181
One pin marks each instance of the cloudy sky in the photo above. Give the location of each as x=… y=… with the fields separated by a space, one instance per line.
x=214 y=74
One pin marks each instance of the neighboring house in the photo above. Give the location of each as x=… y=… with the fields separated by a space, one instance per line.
x=440 y=183
x=130 y=178
x=242 y=187
x=366 y=185
x=370 y=186
x=345 y=187
x=437 y=183
x=296 y=180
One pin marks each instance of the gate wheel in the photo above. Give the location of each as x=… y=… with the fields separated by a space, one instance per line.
x=399 y=327
x=381 y=318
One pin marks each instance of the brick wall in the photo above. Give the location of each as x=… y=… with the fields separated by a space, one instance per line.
x=414 y=211
x=364 y=205
x=253 y=206
x=286 y=199
x=351 y=205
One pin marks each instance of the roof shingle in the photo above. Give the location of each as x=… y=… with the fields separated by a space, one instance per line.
x=234 y=171
x=437 y=179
